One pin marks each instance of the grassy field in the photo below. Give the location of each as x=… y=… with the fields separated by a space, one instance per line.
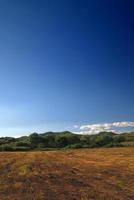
x=85 y=174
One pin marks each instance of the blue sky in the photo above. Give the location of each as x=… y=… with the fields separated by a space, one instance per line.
x=65 y=63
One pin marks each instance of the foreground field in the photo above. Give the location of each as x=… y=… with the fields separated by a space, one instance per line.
x=91 y=174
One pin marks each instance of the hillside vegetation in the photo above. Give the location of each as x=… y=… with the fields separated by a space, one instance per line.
x=65 y=140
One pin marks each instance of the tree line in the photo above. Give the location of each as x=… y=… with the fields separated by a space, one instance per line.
x=62 y=140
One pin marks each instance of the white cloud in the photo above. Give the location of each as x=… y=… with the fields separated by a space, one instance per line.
x=123 y=124
x=76 y=126
x=96 y=128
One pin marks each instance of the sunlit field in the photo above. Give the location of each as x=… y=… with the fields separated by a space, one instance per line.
x=85 y=174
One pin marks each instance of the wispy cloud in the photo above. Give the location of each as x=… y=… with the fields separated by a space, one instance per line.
x=96 y=128
x=75 y=126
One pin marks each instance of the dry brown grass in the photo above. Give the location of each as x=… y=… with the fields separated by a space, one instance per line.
x=86 y=174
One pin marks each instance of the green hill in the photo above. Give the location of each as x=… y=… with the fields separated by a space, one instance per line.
x=66 y=140
x=57 y=133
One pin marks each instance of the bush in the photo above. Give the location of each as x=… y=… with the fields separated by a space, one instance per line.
x=21 y=148
x=114 y=144
x=102 y=140
x=13 y=148
x=61 y=141
x=6 y=147
x=34 y=139
x=85 y=139
x=85 y=146
x=49 y=140
x=75 y=146
x=119 y=138
x=22 y=144
x=73 y=139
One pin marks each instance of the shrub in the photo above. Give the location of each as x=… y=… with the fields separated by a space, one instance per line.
x=73 y=139
x=50 y=139
x=61 y=141
x=119 y=138
x=21 y=148
x=103 y=140
x=22 y=144
x=6 y=147
x=75 y=146
x=114 y=144
x=34 y=140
